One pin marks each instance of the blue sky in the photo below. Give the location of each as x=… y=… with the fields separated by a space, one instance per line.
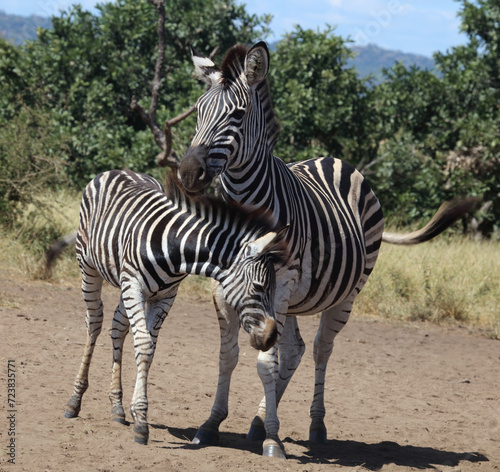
x=417 y=26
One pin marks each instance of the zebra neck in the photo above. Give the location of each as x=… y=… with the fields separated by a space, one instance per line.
x=264 y=182
x=273 y=127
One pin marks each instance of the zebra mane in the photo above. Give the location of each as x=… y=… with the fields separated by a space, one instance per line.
x=232 y=67
x=257 y=218
x=233 y=64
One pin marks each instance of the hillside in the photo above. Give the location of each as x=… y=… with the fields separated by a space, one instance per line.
x=17 y=28
x=371 y=59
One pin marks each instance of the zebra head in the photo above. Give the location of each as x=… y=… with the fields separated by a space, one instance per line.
x=228 y=113
x=249 y=287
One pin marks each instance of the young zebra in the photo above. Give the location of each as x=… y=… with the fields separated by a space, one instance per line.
x=335 y=226
x=144 y=241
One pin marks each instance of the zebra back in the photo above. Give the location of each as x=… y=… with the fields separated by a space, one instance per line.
x=128 y=219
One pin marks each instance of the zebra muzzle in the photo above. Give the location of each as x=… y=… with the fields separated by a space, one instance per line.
x=264 y=338
x=193 y=171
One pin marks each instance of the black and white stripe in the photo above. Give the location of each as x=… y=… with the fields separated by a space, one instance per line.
x=335 y=224
x=144 y=241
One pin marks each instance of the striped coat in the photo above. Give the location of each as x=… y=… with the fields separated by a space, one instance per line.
x=335 y=224
x=145 y=242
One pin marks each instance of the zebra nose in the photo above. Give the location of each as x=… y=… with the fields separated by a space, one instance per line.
x=193 y=172
x=265 y=338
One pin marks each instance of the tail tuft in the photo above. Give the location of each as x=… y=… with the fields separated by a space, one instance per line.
x=448 y=213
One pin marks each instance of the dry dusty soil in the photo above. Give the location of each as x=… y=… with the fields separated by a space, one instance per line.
x=398 y=397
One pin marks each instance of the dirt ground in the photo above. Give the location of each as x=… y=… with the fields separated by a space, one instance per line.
x=398 y=397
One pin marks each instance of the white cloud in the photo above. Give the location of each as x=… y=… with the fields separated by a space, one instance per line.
x=439 y=15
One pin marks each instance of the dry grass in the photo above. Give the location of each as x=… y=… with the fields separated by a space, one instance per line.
x=6 y=302
x=23 y=247
x=449 y=280
x=452 y=280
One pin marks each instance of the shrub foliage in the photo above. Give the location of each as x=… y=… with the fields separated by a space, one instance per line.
x=419 y=136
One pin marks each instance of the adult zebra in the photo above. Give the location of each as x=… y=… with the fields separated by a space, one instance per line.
x=144 y=241
x=335 y=227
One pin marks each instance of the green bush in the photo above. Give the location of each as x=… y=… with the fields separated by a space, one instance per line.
x=31 y=147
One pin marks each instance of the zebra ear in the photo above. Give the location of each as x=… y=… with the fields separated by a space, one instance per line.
x=257 y=63
x=204 y=68
x=266 y=243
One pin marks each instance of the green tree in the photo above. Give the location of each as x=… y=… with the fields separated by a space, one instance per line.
x=408 y=99
x=30 y=147
x=13 y=81
x=30 y=140
x=471 y=74
x=408 y=176
x=89 y=66
x=452 y=117
x=323 y=106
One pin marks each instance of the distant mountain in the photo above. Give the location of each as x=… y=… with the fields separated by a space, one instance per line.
x=371 y=59
x=17 y=28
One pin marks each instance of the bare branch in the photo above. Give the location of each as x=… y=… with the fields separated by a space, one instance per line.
x=155 y=94
x=364 y=168
x=214 y=52
x=163 y=138
x=167 y=158
x=163 y=141
x=153 y=125
x=180 y=117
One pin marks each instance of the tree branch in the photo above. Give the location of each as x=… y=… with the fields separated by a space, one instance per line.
x=151 y=123
x=364 y=168
x=160 y=29
x=163 y=138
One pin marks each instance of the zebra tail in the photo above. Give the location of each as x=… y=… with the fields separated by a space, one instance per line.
x=448 y=213
x=55 y=250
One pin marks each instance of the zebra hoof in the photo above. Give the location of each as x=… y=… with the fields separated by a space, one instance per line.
x=142 y=440
x=119 y=419
x=273 y=450
x=256 y=433
x=205 y=437
x=73 y=407
x=118 y=415
x=317 y=436
x=71 y=413
x=141 y=434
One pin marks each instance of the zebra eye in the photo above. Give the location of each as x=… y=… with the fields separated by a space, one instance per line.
x=238 y=114
x=258 y=286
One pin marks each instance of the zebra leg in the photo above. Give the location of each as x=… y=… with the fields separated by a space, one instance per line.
x=119 y=331
x=145 y=329
x=208 y=433
x=91 y=289
x=267 y=367
x=143 y=348
x=332 y=321
x=291 y=350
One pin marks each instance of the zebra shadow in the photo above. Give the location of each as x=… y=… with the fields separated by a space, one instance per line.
x=339 y=452
x=228 y=440
x=374 y=456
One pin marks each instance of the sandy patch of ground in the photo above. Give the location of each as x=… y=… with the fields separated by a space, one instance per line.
x=398 y=397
